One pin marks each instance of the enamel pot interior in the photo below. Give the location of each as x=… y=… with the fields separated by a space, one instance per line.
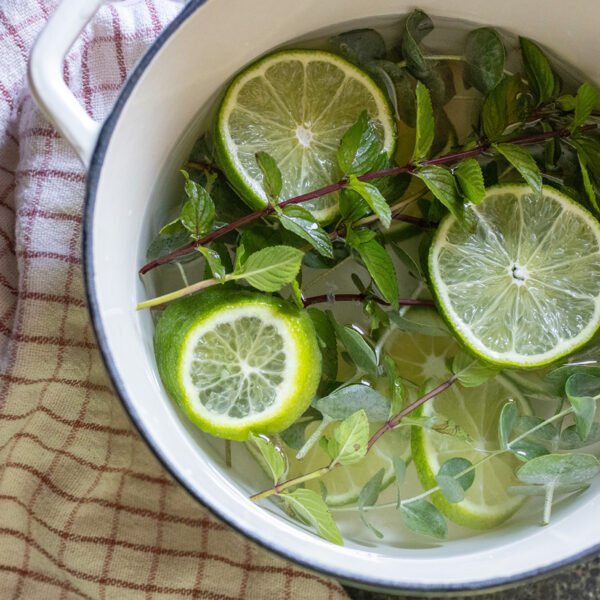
x=134 y=172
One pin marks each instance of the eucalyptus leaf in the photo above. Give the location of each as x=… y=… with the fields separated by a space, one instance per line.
x=381 y=268
x=272 y=181
x=346 y=401
x=368 y=497
x=348 y=444
x=585 y=102
x=273 y=457
x=521 y=160
x=484 y=59
x=213 y=260
x=451 y=489
x=295 y=435
x=373 y=197
x=311 y=508
x=581 y=390
x=539 y=73
x=527 y=450
x=470 y=178
x=557 y=378
x=425 y=124
x=360 y=147
x=416 y=27
x=455 y=466
x=271 y=268
x=546 y=433
x=360 y=46
x=400 y=474
x=359 y=350
x=422 y=517
x=570 y=440
x=421 y=320
x=559 y=469
x=327 y=342
x=508 y=418
x=471 y=371
x=540 y=490
x=298 y=220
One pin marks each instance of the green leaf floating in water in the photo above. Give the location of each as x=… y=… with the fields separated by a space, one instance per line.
x=484 y=59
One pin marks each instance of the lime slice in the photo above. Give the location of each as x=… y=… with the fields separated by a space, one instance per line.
x=296 y=105
x=239 y=362
x=520 y=287
x=344 y=483
x=475 y=411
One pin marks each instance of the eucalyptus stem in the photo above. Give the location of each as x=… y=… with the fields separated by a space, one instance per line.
x=484 y=146
x=390 y=424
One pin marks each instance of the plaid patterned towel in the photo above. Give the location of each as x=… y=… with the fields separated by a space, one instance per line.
x=86 y=511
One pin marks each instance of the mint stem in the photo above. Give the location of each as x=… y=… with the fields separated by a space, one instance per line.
x=358 y=297
x=334 y=187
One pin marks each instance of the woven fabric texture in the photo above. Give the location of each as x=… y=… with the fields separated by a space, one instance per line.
x=86 y=511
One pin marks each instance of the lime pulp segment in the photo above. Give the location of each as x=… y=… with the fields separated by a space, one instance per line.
x=522 y=286
x=296 y=105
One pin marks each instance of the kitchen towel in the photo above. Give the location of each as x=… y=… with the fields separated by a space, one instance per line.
x=86 y=511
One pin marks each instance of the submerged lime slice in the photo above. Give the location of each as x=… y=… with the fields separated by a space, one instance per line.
x=296 y=105
x=469 y=417
x=238 y=363
x=520 y=287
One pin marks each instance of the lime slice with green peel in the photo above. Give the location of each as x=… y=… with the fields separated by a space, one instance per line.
x=469 y=417
x=521 y=286
x=296 y=105
x=344 y=484
x=238 y=362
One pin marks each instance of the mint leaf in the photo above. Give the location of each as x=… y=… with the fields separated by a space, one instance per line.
x=409 y=262
x=271 y=268
x=295 y=435
x=348 y=443
x=327 y=342
x=381 y=268
x=484 y=59
x=416 y=27
x=368 y=497
x=470 y=178
x=360 y=146
x=566 y=102
x=298 y=220
x=175 y=226
x=273 y=457
x=346 y=401
x=272 y=181
x=508 y=418
x=521 y=160
x=425 y=123
x=454 y=466
x=421 y=320
x=311 y=508
x=504 y=107
x=360 y=352
x=559 y=469
x=360 y=46
x=472 y=372
x=442 y=185
x=581 y=390
x=167 y=242
x=585 y=102
x=373 y=197
x=214 y=262
x=352 y=206
x=422 y=517
x=399 y=86
x=587 y=182
x=539 y=73
x=198 y=213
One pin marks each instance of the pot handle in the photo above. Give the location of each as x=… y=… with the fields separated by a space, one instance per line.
x=45 y=74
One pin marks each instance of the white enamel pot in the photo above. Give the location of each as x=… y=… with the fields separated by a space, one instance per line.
x=133 y=160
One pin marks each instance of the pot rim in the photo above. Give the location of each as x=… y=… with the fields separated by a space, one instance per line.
x=93 y=177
